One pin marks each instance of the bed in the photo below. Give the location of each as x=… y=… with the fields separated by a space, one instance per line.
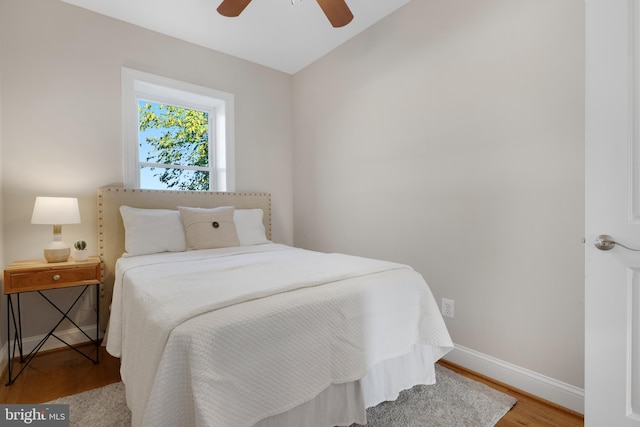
x=248 y=332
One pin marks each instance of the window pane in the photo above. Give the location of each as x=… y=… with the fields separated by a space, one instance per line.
x=173 y=179
x=173 y=135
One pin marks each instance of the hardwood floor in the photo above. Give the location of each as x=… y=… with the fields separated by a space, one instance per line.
x=63 y=372
x=530 y=410
x=59 y=373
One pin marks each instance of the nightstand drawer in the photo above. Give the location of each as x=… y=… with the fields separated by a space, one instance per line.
x=58 y=276
x=52 y=277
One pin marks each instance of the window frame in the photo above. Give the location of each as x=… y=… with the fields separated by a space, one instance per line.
x=138 y=85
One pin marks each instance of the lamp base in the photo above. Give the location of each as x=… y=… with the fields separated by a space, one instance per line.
x=57 y=255
x=57 y=252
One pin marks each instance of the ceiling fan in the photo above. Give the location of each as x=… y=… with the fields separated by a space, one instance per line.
x=337 y=11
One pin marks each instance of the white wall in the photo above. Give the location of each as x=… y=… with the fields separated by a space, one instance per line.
x=61 y=120
x=450 y=137
x=3 y=333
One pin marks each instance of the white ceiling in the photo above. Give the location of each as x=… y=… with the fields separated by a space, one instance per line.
x=274 y=33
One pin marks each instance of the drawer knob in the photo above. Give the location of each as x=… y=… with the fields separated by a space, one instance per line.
x=56 y=277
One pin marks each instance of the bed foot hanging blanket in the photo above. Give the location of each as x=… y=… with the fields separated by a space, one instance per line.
x=233 y=336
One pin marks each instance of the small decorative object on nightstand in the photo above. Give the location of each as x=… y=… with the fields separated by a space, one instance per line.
x=39 y=276
x=56 y=211
x=81 y=253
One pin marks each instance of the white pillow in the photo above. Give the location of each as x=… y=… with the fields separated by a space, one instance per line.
x=149 y=231
x=249 y=226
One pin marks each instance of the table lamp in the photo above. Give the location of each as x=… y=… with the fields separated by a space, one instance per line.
x=56 y=211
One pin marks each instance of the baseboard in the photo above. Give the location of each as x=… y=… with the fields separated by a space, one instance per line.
x=547 y=388
x=71 y=336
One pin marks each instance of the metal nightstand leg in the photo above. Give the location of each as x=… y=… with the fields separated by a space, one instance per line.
x=17 y=327
x=17 y=336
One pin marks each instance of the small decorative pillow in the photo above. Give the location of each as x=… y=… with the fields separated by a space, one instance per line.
x=249 y=226
x=209 y=228
x=149 y=231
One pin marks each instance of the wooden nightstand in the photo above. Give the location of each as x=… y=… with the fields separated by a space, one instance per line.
x=38 y=276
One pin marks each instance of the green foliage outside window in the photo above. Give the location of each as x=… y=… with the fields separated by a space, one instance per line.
x=176 y=144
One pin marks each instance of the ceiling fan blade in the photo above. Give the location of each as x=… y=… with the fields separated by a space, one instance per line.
x=232 y=8
x=337 y=12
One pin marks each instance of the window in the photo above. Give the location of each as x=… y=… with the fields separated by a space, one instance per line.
x=176 y=135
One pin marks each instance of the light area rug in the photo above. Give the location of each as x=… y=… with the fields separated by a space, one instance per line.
x=454 y=401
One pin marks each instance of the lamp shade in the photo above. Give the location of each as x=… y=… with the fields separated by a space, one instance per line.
x=56 y=211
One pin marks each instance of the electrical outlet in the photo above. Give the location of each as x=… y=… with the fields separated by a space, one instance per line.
x=448 y=307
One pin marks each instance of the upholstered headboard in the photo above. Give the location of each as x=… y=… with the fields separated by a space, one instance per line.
x=111 y=228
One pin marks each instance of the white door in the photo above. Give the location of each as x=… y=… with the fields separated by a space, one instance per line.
x=612 y=291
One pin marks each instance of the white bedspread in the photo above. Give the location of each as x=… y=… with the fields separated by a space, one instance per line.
x=217 y=337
